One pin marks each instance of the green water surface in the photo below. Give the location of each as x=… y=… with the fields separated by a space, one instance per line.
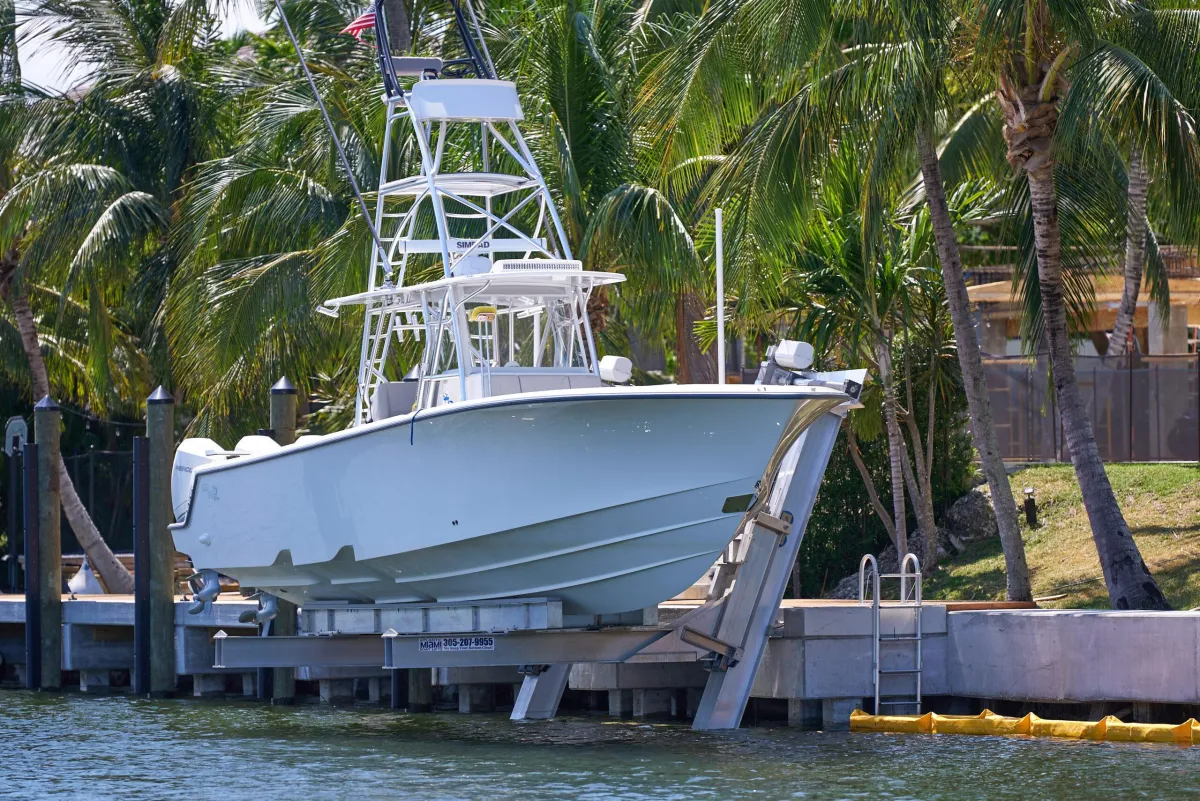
x=71 y=746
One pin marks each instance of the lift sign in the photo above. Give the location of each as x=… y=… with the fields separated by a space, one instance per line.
x=443 y=644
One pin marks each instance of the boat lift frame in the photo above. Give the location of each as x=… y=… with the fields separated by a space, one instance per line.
x=729 y=635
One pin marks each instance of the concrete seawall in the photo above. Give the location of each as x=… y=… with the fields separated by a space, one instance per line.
x=818 y=658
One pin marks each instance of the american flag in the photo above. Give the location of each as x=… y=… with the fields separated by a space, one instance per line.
x=361 y=23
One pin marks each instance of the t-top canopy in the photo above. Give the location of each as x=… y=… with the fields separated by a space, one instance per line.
x=514 y=283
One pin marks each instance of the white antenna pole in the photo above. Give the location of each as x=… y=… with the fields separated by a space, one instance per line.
x=720 y=300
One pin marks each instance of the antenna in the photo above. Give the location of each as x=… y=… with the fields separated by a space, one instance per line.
x=362 y=204
x=483 y=65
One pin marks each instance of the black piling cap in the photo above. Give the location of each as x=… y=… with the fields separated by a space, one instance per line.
x=46 y=404
x=158 y=396
x=283 y=387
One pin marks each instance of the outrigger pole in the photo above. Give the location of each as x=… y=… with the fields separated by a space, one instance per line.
x=362 y=204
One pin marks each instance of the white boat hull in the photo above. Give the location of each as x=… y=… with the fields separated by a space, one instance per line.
x=612 y=499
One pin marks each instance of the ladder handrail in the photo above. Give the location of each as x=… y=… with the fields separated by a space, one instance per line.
x=868 y=562
x=862 y=582
x=905 y=575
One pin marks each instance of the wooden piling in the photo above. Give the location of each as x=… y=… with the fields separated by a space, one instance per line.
x=160 y=431
x=47 y=421
x=283 y=423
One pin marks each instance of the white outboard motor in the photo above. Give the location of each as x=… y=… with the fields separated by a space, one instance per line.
x=192 y=453
x=788 y=364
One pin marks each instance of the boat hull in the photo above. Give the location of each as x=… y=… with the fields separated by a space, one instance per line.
x=612 y=500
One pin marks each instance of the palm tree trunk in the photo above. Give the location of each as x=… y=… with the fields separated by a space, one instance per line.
x=919 y=485
x=869 y=483
x=112 y=573
x=1135 y=255
x=979 y=405
x=922 y=496
x=896 y=446
x=1129 y=583
x=695 y=366
x=399 y=35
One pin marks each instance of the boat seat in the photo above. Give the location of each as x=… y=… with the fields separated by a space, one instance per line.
x=543 y=383
x=393 y=398
x=501 y=385
x=587 y=381
x=416 y=66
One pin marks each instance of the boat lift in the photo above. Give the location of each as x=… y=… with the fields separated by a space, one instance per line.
x=728 y=634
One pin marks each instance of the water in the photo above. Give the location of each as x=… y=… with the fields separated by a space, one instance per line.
x=59 y=746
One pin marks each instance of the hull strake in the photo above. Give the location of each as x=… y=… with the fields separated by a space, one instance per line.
x=610 y=503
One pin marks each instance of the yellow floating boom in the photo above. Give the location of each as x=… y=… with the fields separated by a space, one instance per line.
x=987 y=722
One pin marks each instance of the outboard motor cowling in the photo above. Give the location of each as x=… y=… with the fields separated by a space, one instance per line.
x=192 y=453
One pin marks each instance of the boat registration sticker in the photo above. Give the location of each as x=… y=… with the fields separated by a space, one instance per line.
x=442 y=644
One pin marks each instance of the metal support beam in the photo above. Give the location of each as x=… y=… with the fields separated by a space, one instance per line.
x=12 y=447
x=473 y=649
x=541 y=691
x=33 y=621
x=534 y=647
x=752 y=606
x=244 y=653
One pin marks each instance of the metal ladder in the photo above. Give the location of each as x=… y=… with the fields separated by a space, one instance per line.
x=910 y=598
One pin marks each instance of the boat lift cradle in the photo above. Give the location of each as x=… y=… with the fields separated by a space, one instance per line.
x=728 y=634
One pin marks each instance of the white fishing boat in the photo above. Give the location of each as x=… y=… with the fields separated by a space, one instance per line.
x=509 y=461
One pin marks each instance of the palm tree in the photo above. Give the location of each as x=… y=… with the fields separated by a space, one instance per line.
x=1064 y=75
x=1174 y=217
x=270 y=228
x=98 y=181
x=877 y=75
x=861 y=304
x=1137 y=227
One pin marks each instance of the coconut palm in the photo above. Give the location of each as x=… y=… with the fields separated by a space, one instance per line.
x=876 y=74
x=270 y=228
x=86 y=219
x=915 y=65
x=1066 y=74
x=860 y=304
x=1137 y=228
x=1149 y=217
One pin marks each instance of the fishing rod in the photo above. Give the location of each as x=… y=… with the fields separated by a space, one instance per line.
x=481 y=61
x=362 y=204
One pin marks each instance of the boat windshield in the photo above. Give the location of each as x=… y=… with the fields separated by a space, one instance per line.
x=521 y=333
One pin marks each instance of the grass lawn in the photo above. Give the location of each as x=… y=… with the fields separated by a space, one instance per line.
x=1161 y=503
